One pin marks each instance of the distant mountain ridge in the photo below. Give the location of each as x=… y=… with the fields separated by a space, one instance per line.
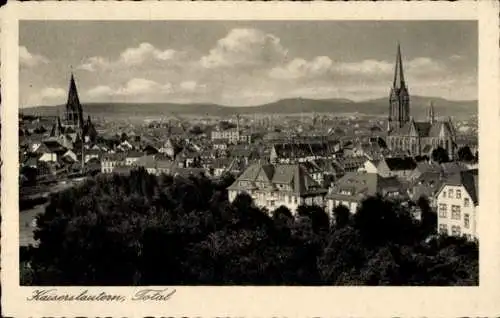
x=377 y=107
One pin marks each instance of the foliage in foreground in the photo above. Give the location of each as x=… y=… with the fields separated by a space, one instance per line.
x=146 y=230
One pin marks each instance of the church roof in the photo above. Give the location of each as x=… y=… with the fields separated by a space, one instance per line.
x=423 y=129
x=399 y=80
x=73 y=103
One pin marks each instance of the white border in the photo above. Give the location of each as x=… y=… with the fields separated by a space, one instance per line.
x=267 y=301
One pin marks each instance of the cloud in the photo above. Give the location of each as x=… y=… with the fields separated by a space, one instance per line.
x=145 y=51
x=248 y=66
x=324 y=68
x=300 y=68
x=245 y=48
x=456 y=57
x=136 y=87
x=100 y=91
x=425 y=66
x=52 y=93
x=143 y=55
x=29 y=59
x=94 y=63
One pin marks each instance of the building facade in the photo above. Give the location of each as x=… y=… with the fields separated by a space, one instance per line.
x=458 y=205
x=272 y=186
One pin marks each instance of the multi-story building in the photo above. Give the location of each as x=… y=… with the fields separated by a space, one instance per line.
x=354 y=187
x=275 y=185
x=110 y=161
x=232 y=136
x=458 y=204
x=411 y=137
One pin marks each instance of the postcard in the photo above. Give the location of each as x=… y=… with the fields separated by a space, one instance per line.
x=250 y=159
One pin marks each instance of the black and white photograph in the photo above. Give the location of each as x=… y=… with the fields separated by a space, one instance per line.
x=248 y=152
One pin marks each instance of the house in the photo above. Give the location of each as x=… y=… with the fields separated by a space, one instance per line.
x=275 y=185
x=91 y=154
x=110 y=161
x=164 y=166
x=300 y=151
x=45 y=153
x=351 y=164
x=331 y=170
x=354 y=187
x=70 y=155
x=458 y=204
x=149 y=150
x=426 y=186
x=314 y=171
x=402 y=167
x=220 y=144
x=131 y=157
x=424 y=167
x=148 y=163
x=232 y=136
x=370 y=166
x=454 y=167
x=220 y=165
x=170 y=148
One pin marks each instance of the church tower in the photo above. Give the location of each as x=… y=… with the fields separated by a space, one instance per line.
x=431 y=114
x=399 y=99
x=74 y=112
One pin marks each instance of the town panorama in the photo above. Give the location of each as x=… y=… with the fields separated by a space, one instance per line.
x=295 y=195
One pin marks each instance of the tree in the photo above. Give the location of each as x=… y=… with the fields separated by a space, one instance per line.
x=123 y=137
x=147 y=230
x=465 y=154
x=342 y=216
x=440 y=155
x=428 y=217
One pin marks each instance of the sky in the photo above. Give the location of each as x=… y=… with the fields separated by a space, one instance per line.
x=241 y=63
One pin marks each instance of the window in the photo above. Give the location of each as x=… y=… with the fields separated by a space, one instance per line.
x=466 y=221
x=450 y=193
x=444 y=194
x=442 y=210
x=443 y=229
x=458 y=194
x=455 y=212
x=466 y=202
x=455 y=230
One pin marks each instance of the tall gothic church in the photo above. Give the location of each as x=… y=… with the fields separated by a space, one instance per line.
x=407 y=136
x=73 y=123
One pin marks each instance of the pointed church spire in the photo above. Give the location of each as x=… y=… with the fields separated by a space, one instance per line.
x=431 y=114
x=74 y=113
x=399 y=79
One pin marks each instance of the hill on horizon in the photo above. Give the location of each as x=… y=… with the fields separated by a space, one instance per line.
x=375 y=107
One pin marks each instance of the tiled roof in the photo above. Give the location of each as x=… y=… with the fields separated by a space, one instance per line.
x=365 y=184
x=286 y=150
x=424 y=167
x=423 y=128
x=453 y=167
x=397 y=164
x=469 y=179
x=294 y=175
